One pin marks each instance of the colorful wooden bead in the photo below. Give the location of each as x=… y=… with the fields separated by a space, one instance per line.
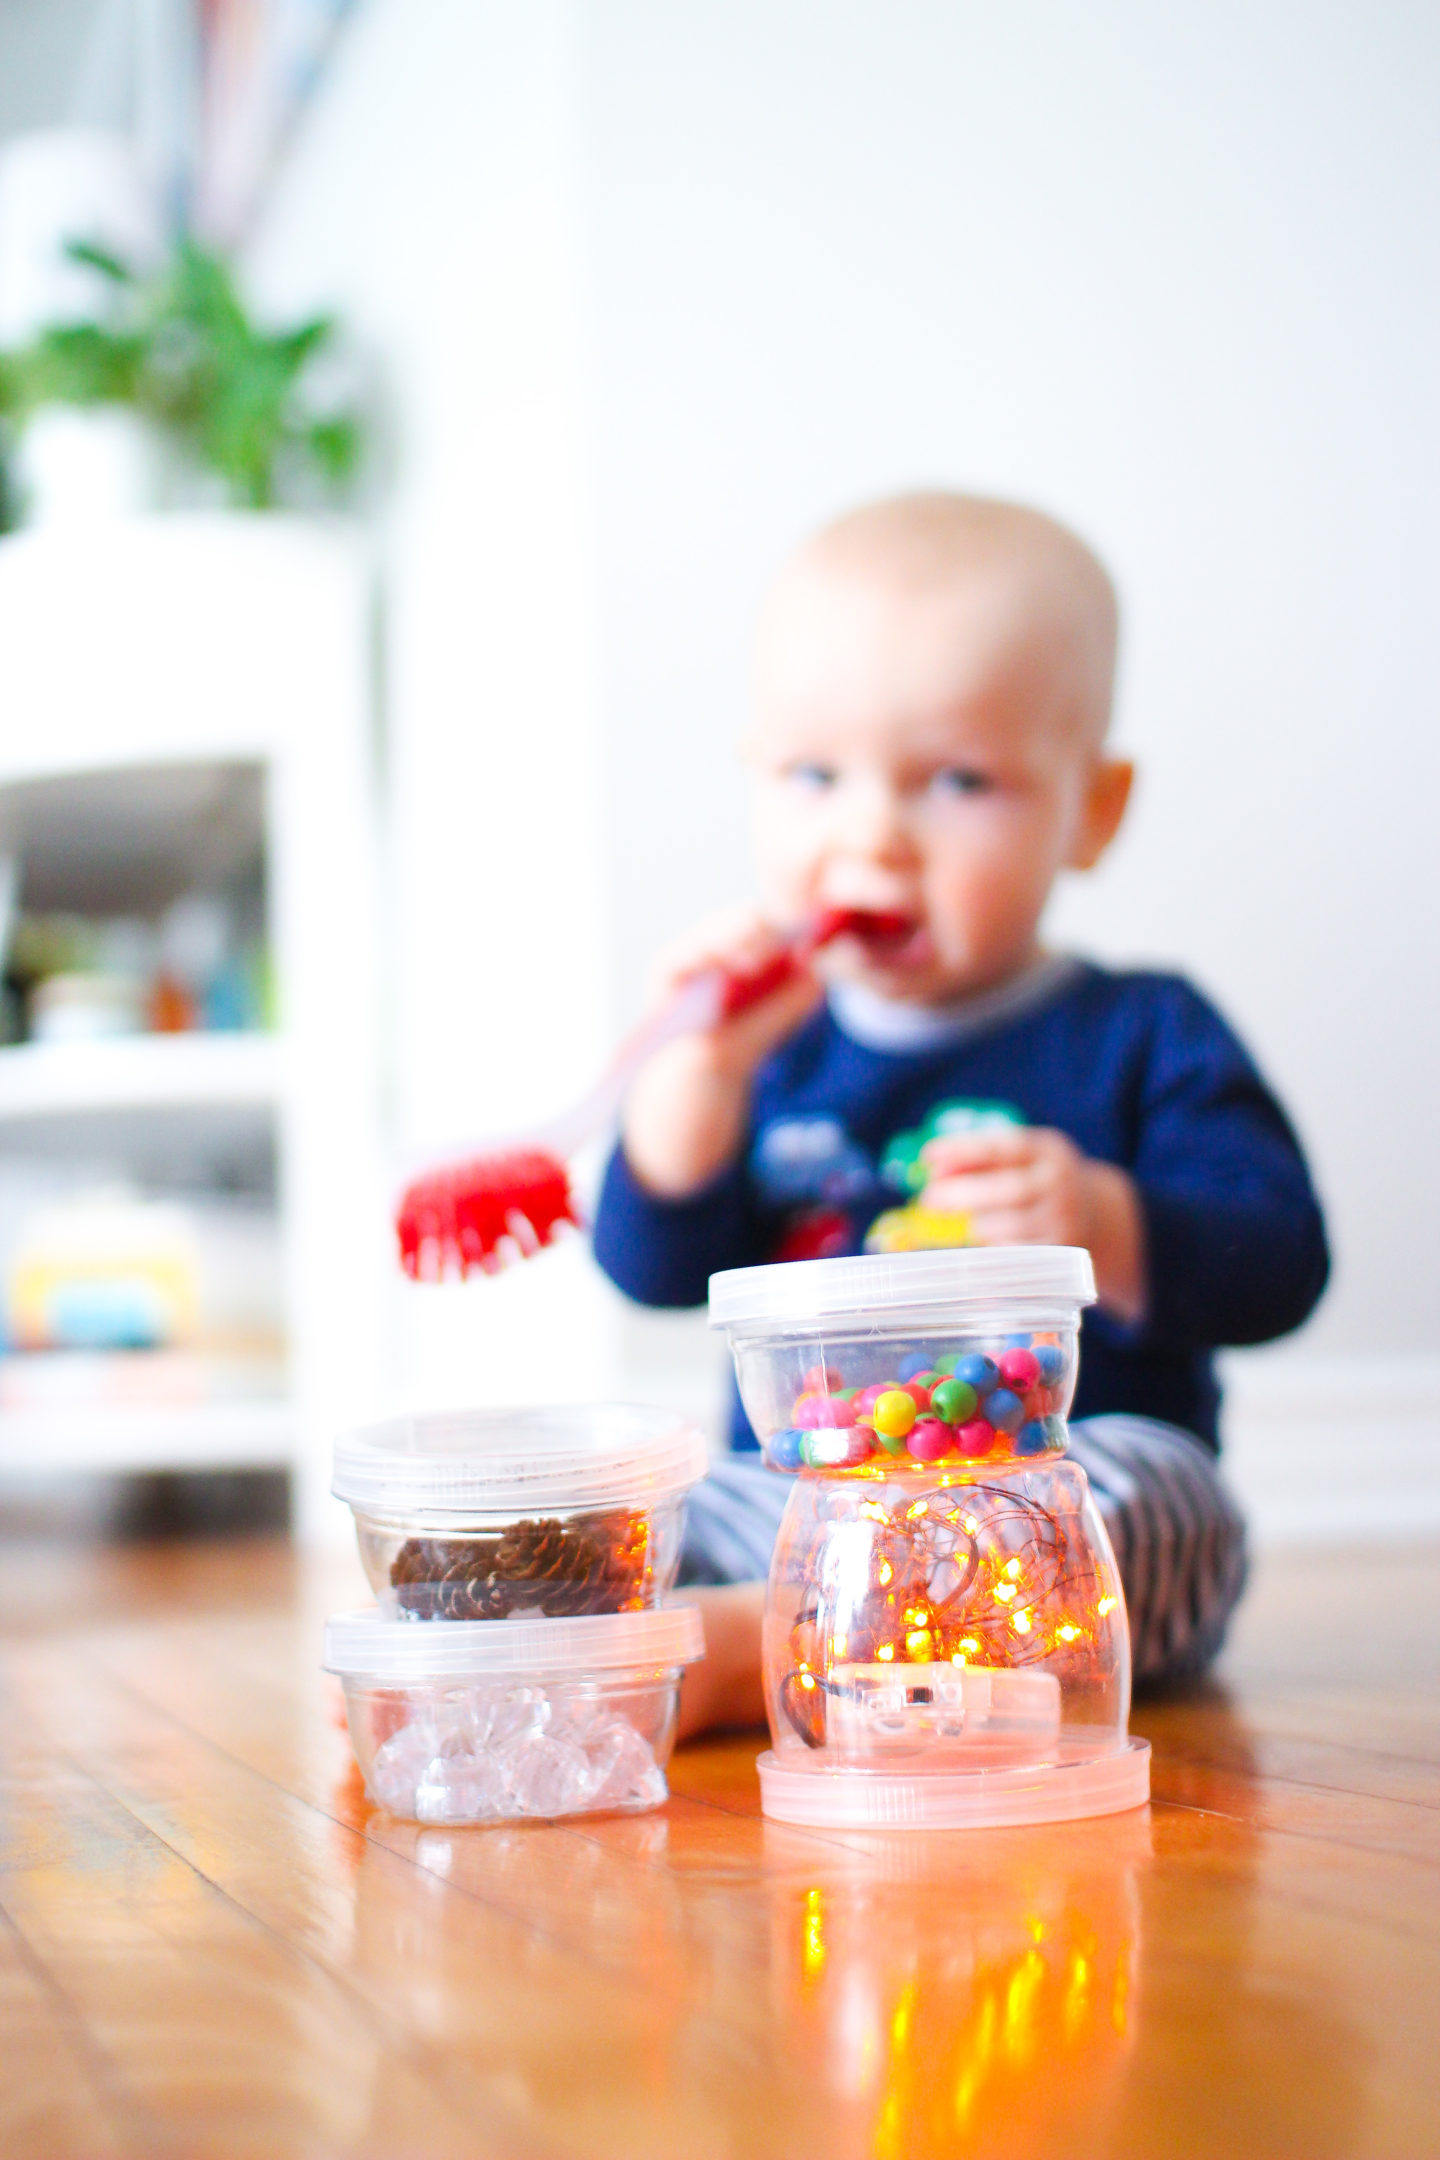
x=829 y=1449
x=1005 y=1410
x=894 y=1413
x=1051 y=1360
x=822 y=1380
x=1019 y=1369
x=784 y=1449
x=954 y=1401
x=928 y=1440
x=908 y=1367
x=979 y=1372
x=975 y=1437
x=814 y=1412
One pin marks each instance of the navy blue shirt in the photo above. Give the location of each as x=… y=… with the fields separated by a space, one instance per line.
x=1136 y=1068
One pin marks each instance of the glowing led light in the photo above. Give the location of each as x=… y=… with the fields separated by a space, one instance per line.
x=917 y=1616
x=885 y=1652
x=813 y=1950
x=838 y=1645
x=1107 y=1604
x=1012 y=1569
x=917 y=1642
x=1066 y=1632
x=887 y=1573
x=1020 y=1621
x=1077 y=1993
x=970 y=1644
x=970 y=1526
x=873 y=1510
x=1005 y=1591
x=917 y=1509
x=1020 y=2020
x=807 y=1679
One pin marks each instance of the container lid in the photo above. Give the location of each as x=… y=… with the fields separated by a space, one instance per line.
x=414 y=1652
x=1085 y=1779
x=523 y=1461
x=911 y=1286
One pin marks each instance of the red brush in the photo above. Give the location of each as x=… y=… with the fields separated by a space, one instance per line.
x=505 y=1205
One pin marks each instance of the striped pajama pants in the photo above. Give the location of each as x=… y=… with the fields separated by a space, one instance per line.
x=1178 y=1535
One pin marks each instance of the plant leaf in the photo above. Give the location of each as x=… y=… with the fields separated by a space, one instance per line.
x=96 y=257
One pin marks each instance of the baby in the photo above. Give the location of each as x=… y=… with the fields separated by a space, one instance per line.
x=934 y=686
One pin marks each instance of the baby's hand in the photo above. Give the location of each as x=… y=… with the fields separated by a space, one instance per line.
x=1019 y=1184
x=1028 y=1185
x=743 y=943
x=685 y=1115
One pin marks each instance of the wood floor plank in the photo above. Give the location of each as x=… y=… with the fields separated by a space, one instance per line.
x=57 y=2093
x=219 y=1948
x=216 y=2028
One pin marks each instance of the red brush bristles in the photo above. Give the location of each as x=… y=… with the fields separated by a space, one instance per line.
x=496 y=1207
x=461 y=1217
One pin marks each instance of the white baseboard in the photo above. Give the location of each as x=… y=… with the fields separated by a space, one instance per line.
x=1321 y=1449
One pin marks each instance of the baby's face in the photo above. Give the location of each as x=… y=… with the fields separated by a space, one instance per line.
x=917 y=752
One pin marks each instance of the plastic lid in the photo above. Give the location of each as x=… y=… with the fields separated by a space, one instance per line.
x=911 y=1286
x=589 y=1455
x=1089 y=1777
x=413 y=1652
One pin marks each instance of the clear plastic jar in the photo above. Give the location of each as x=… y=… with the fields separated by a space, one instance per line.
x=463 y=1722
x=560 y=1513
x=945 y=1634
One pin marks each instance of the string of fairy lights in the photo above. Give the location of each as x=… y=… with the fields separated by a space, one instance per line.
x=972 y=1574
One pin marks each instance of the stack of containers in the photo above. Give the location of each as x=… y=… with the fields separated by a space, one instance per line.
x=519 y=1660
x=945 y=1634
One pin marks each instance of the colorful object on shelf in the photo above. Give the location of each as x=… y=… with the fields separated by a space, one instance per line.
x=106 y=1273
x=483 y=1213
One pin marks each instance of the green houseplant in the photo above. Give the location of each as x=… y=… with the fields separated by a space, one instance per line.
x=178 y=347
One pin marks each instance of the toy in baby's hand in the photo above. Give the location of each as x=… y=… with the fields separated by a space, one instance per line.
x=915 y=1227
x=507 y=1204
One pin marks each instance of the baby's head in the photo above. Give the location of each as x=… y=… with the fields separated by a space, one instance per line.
x=934 y=686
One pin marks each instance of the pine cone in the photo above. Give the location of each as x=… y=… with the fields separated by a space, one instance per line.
x=595 y=1564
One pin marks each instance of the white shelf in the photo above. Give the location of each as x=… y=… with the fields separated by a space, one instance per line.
x=213 y=720
x=202 y=1436
x=141 y=1072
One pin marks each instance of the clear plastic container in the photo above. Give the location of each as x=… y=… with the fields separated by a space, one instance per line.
x=465 y=1722
x=945 y=1633
x=982 y=1342
x=560 y=1513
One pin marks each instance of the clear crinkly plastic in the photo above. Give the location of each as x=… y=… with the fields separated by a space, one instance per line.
x=467 y=1722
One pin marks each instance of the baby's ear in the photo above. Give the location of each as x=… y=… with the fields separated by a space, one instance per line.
x=1107 y=791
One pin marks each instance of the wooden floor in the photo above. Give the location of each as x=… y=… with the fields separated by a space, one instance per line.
x=209 y=1944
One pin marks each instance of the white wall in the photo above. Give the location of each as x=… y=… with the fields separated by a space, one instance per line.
x=685 y=279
